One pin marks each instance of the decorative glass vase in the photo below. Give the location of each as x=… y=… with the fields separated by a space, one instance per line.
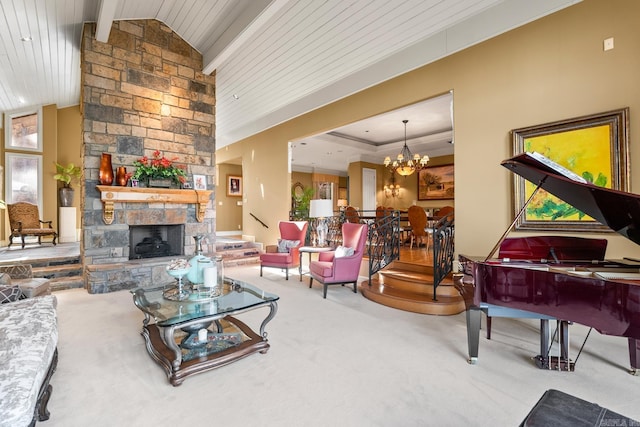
x=105 y=176
x=195 y=275
x=121 y=176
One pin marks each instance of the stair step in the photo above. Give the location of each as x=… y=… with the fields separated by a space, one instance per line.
x=414 y=282
x=238 y=252
x=68 y=282
x=233 y=262
x=53 y=271
x=45 y=262
x=407 y=266
x=448 y=303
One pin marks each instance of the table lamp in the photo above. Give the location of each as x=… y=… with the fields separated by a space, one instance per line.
x=342 y=203
x=321 y=209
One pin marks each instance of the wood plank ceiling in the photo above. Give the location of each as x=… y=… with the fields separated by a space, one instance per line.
x=274 y=59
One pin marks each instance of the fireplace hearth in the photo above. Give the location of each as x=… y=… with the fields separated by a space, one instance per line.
x=152 y=241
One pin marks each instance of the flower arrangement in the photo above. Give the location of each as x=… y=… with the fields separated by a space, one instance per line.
x=159 y=167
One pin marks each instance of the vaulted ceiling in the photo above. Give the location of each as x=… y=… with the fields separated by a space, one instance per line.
x=274 y=59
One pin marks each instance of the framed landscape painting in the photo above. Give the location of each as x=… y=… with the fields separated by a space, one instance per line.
x=436 y=183
x=596 y=147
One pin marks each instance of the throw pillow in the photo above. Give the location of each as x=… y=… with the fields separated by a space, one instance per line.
x=5 y=279
x=284 y=245
x=343 y=251
x=9 y=293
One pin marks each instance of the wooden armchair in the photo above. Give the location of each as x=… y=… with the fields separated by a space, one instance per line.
x=24 y=220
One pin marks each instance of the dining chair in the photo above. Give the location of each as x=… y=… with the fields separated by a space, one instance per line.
x=351 y=214
x=418 y=223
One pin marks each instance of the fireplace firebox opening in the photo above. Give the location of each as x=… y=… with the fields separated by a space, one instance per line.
x=151 y=241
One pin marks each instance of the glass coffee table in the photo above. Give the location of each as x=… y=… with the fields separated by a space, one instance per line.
x=176 y=339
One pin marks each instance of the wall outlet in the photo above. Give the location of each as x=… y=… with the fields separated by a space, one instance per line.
x=608 y=44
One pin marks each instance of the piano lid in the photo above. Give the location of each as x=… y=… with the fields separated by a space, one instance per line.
x=616 y=209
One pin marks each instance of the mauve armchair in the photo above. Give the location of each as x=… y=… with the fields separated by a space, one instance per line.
x=285 y=255
x=339 y=270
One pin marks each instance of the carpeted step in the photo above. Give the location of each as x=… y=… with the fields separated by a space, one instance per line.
x=237 y=252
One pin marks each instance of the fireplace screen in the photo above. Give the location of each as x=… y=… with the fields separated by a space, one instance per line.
x=150 y=241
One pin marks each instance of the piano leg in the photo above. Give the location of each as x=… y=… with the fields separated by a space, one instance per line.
x=542 y=361
x=560 y=362
x=634 y=355
x=474 y=316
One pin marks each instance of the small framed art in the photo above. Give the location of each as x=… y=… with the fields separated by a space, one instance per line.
x=234 y=186
x=199 y=182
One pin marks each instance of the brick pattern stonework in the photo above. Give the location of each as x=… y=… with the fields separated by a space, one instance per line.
x=142 y=91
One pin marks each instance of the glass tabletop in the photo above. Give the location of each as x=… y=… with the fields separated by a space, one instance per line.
x=236 y=296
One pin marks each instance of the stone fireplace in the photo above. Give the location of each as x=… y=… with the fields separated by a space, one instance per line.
x=143 y=91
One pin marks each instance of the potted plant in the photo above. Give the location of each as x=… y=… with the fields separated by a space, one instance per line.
x=67 y=175
x=159 y=171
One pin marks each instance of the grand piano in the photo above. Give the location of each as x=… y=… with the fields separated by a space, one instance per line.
x=556 y=277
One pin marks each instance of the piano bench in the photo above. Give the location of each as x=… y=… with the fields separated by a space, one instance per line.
x=559 y=409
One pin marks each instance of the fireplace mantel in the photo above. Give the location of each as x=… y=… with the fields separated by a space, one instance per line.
x=114 y=194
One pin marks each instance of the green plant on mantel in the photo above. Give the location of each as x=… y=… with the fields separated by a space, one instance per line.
x=67 y=174
x=159 y=167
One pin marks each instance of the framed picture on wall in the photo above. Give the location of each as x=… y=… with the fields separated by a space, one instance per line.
x=234 y=186
x=436 y=183
x=595 y=147
x=199 y=182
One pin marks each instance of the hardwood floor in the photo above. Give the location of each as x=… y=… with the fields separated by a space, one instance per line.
x=416 y=255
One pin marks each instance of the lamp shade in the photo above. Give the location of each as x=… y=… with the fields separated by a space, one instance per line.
x=342 y=203
x=321 y=208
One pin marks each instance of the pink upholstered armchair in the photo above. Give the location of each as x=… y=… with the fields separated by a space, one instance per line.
x=285 y=254
x=341 y=266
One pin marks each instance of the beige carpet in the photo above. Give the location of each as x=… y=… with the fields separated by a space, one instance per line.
x=341 y=361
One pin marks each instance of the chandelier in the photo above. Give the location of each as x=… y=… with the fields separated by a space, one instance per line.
x=406 y=163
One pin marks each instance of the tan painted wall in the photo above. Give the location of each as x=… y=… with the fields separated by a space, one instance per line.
x=228 y=213
x=551 y=69
x=70 y=147
x=49 y=153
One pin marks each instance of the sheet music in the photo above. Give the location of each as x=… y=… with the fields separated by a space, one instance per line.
x=557 y=167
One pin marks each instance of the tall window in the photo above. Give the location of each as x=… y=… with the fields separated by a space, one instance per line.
x=23 y=157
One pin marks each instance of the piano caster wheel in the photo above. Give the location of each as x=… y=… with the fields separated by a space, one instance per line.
x=633 y=371
x=472 y=360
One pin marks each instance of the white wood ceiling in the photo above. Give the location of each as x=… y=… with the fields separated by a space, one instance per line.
x=279 y=58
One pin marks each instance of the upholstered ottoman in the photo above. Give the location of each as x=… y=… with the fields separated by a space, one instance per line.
x=28 y=357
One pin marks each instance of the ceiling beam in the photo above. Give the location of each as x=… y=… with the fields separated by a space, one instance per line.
x=251 y=20
x=106 y=14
